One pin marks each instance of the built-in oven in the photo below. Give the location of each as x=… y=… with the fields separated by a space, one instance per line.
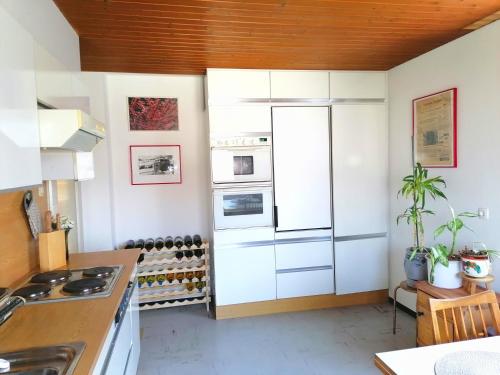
x=246 y=207
x=241 y=159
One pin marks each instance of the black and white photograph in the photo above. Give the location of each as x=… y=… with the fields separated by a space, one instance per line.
x=155 y=164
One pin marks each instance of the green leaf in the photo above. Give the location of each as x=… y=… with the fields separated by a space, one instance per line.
x=439 y=230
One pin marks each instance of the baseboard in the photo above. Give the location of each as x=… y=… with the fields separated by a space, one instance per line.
x=300 y=304
x=403 y=308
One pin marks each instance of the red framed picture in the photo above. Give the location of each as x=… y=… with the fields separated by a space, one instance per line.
x=155 y=164
x=435 y=129
x=148 y=114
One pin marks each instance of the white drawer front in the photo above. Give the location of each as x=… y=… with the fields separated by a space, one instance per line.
x=309 y=254
x=357 y=85
x=299 y=84
x=304 y=283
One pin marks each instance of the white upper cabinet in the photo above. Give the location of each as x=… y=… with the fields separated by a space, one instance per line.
x=245 y=118
x=296 y=84
x=357 y=85
x=19 y=140
x=237 y=83
x=360 y=169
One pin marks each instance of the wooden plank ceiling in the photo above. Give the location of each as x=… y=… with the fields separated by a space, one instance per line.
x=187 y=36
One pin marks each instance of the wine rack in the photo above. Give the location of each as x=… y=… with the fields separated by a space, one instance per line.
x=174 y=277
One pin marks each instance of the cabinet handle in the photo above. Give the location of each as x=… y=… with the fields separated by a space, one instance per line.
x=276 y=216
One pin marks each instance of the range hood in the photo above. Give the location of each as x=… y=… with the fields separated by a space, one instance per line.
x=69 y=129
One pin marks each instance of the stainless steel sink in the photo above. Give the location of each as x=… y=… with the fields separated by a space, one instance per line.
x=49 y=360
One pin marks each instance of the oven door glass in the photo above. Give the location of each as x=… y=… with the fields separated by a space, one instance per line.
x=241 y=208
x=241 y=164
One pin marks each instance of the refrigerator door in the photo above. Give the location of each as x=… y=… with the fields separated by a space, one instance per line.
x=301 y=157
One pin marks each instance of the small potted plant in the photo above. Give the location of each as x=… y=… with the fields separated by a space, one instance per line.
x=444 y=265
x=417 y=187
x=477 y=263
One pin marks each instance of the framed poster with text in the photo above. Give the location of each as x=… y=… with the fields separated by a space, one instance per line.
x=435 y=129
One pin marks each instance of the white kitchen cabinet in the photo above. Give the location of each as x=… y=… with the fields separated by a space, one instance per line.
x=303 y=254
x=231 y=119
x=361 y=265
x=226 y=84
x=297 y=84
x=301 y=157
x=135 y=350
x=357 y=85
x=244 y=274
x=360 y=169
x=19 y=140
x=304 y=283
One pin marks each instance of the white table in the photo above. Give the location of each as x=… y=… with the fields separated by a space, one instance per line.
x=420 y=361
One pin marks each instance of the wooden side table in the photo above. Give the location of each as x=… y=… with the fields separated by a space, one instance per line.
x=402 y=285
x=473 y=281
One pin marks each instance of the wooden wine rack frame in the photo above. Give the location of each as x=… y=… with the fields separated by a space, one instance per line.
x=157 y=295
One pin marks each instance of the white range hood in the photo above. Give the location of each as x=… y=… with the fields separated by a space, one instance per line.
x=69 y=129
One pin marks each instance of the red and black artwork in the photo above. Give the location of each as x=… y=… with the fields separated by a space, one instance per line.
x=153 y=114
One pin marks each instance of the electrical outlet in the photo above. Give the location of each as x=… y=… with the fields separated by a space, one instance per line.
x=483 y=213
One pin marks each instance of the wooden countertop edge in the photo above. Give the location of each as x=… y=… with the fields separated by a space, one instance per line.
x=87 y=320
x=384 y=369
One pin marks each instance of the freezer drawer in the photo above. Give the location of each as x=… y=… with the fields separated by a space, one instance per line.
x=244 y=275
x=304 y=283
x=301 y=158
x=352 y=276
x=304 y=254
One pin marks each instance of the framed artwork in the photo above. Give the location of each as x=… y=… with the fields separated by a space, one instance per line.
x=155 y=164
x=153 y=114
x=435 y=129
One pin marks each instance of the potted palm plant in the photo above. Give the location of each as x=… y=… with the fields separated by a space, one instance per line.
x=444 y=265
x=417 y=187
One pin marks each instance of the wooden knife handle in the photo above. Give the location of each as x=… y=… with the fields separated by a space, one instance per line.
x=48 y=221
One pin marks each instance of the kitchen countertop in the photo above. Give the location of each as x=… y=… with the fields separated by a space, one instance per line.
x=421 y=361
x=87 y=320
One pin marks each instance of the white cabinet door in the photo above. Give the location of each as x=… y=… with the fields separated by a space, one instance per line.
x=361 y=265
x=233 y=119
x=301 y=157
x=357 y=85
x=293 y=84
x=237 y=83
x=19 y=140
x=135 y=351
x=304 y=254
x=304 y=283
x=244 y=275
x=360 y=169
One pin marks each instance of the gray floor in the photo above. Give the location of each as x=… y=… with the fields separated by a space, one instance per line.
x=336 y=341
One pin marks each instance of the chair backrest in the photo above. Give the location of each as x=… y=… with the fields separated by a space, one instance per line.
x=464 y=318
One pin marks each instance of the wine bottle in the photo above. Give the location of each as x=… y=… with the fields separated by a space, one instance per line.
x=179 y=255
x=178 y=242
x=130 y=244
x=149 y=244
x=188 y=254
x=159 y=243
x=169 y=242
x=198 y=253
x=139 y=244
x=188 y=241
x=197 y=240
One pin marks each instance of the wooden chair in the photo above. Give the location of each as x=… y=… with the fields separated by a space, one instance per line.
x=464 y=318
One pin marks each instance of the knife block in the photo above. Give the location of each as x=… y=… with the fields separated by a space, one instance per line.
x=52 y=250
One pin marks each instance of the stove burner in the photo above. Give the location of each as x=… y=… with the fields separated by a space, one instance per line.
x=52 y=277
x=33 y=292
x=100 y=272
x=86 y=286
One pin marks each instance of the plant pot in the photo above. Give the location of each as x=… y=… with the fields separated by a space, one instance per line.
x=415 y=269
x=447 y=277
x=476 y=266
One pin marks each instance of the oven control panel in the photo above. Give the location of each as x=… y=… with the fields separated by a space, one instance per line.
x=241 y=141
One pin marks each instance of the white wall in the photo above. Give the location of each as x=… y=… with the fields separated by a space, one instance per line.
x=159 y=210
x=472 y=64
